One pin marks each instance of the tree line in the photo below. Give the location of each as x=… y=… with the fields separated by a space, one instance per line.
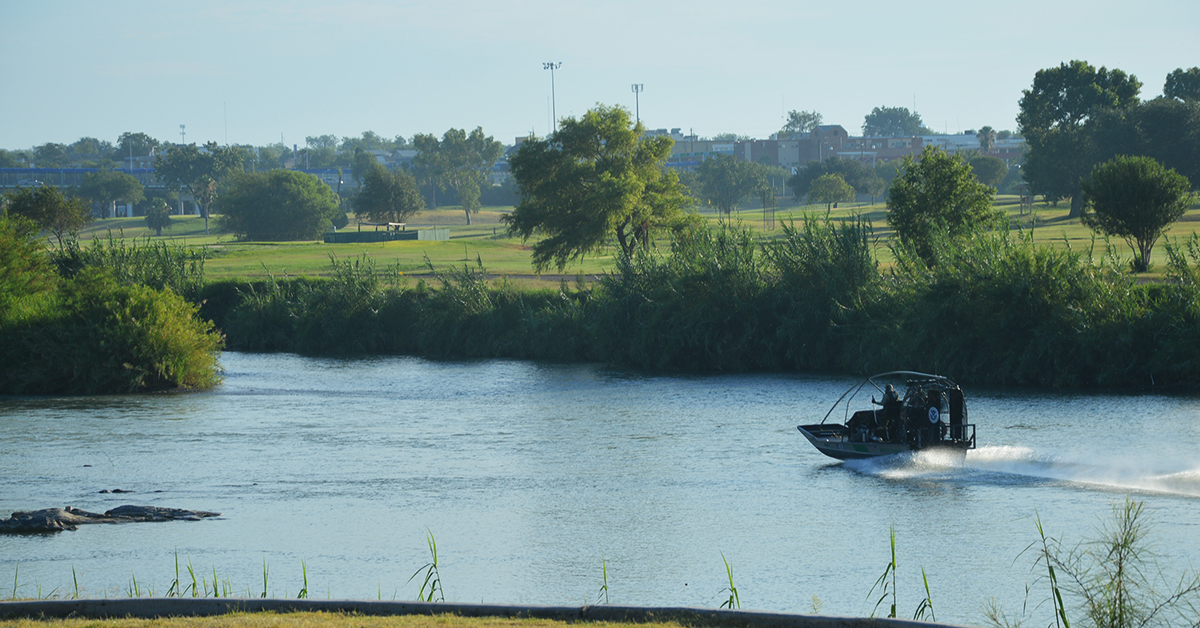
x=1076 y=116
x=268 y=204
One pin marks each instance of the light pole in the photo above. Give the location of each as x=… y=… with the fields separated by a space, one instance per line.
x=183 y=134
x=552 y=66
x=637 y=89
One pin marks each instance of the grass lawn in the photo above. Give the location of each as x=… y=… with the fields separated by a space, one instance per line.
x=484 y=239
x=316 y=620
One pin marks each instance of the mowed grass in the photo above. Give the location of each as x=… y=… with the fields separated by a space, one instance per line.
x=485 y=240
x=318 y=620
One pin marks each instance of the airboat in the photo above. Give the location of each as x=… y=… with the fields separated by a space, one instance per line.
x=931 y=414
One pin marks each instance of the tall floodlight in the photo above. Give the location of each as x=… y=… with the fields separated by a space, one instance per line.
x=552 y=66
x=182 y=133
x=637 y=89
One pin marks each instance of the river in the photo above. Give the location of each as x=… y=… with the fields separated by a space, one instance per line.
x=529 y=475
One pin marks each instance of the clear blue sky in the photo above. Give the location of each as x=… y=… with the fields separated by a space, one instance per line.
x=249 y=71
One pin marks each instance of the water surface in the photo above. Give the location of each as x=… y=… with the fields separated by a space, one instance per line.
x=529 y=474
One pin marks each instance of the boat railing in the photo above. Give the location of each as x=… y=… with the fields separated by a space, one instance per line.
x=963 y=433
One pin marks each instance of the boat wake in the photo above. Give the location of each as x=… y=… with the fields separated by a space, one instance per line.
x=1008 y=464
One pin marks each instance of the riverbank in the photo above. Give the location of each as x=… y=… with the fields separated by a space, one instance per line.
x=996 y=309
x=1001 y=308
x=272 y=613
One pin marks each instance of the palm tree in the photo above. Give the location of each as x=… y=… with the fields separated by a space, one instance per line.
x=158 y=216
x=987 y=139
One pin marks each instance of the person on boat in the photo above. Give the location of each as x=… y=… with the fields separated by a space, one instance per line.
x=890 y=410
x=891 y=400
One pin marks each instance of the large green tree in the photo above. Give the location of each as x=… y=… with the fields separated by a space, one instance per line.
x=854 y=172
x=51 y=155
x=726 y=180
x=892 y=122
x=1052 y=118
x=459 y=161
x=50 y=209
x=1183 y=84
x=829 y=189
x=278 y=205
x=801 y=122
x=362 y=163
x=937 y=196
x=106 y=187
x=91 y=150
x=989 y=170
x=1135 y=198
x=595 y=178
x=196 y=169
x=136 y=144
x=388 y=197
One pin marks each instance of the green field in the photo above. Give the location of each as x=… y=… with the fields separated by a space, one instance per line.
x=485 y=240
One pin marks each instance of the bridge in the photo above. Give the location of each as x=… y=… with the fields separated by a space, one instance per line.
x=12 y=178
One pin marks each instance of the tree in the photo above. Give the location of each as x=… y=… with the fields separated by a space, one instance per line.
x=388 y=197
x=51 y=155
x=875 y=187
x=429 y=165
x=278 y=205
x=1183 y=85
x=801 y=122
x=136 y=144
x=852 y=171
x=329 y=142
x=891 y=122
x=369 y=140
x=938 y=196
x=106 y=187
x=594 y=178
x=830 y=189
x=989 y=170
x=1052 y=116
x=9 y=159
x=50 y=209
x=459 y=162
x=987 y=139
x=725 y=180
x=1135 y=198
x=363 y=163
x=91 y=147
x=158 y=216
x=195 y=169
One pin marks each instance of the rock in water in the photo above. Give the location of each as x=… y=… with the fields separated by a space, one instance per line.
x=59 y=519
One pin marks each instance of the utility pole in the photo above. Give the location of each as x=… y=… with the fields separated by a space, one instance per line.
x=637 y=90
x=552 y=66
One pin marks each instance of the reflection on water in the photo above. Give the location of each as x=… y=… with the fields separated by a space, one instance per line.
x=528 y=474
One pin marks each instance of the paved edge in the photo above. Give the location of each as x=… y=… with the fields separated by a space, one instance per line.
x=204 y=607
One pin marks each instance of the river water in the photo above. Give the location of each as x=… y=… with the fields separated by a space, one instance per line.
x=529 y=475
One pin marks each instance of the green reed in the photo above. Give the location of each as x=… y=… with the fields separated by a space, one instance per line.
x=431 y=586
x=734 y=601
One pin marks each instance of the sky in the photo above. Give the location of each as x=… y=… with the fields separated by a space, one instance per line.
x=258 y=72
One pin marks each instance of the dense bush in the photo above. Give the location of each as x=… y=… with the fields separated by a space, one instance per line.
x=90 y=332
x=158 y=265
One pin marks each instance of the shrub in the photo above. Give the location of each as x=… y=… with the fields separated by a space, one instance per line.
x=100 y=337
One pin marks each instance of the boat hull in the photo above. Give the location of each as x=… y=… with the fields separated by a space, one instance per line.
x=838 y=446
x=835 y=444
